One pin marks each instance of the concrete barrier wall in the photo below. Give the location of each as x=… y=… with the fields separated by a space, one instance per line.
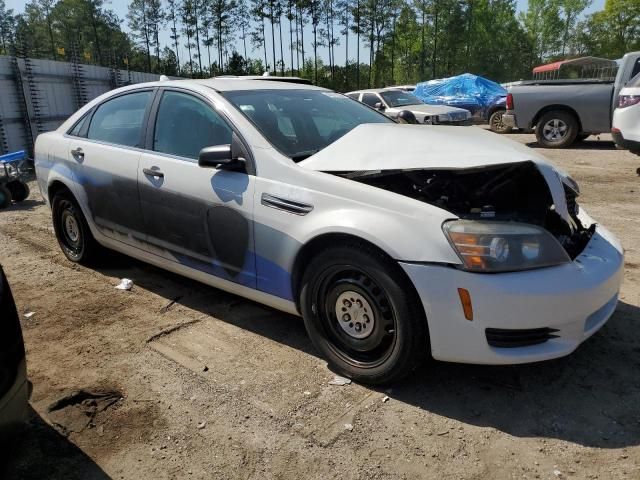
x=36 y=96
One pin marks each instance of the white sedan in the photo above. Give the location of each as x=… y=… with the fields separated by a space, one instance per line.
x=625 y=128
x=392 y=241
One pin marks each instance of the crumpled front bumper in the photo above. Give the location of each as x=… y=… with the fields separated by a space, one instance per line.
x=576 y=299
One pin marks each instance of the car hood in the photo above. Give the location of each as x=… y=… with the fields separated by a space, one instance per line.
x=378 y=147
x=428 y=109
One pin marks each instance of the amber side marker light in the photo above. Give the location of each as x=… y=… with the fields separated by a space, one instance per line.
x=465 y=300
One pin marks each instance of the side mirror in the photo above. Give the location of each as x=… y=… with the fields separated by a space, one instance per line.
x=379 y=106
x=213 y=157
x=407 y=116
x=231 y=156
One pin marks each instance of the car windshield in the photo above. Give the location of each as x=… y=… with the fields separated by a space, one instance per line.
x=398 y=98
x=300 y=123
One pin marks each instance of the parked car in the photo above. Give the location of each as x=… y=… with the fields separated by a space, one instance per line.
x=391 y=241
x=626 y=117
x=392 y=101
x=14 y=387
x=472 y=96
x=563 y=111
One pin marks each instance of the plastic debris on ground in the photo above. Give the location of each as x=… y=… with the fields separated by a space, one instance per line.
x=125 y=284
x=348 y=426
x=467 y=91
x=29 y=314
x=385 y=399
x=338 y=380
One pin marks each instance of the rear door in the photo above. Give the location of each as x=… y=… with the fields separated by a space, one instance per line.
x=199 y=217
x=105 y=151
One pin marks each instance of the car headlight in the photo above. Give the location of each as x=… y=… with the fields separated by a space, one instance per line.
x=503 y=246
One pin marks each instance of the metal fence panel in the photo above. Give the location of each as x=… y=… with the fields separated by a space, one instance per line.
x=36 y=95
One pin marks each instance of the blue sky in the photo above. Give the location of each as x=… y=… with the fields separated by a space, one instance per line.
x=120 y=8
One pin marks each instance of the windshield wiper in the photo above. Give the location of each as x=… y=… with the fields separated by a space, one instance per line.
x=298 y=157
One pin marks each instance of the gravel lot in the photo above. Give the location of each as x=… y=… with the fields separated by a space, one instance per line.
x=203 y=384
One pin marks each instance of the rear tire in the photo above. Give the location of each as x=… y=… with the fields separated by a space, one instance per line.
x=363 y=314
x=19 y=190
x=72 y=229
x=5 y=197
x=497 y=125
x=557 y=129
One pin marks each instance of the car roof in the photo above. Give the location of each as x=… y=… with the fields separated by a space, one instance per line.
x=376 y=90
x=226 y=84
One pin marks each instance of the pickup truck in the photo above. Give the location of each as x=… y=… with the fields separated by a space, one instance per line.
x=563 y=111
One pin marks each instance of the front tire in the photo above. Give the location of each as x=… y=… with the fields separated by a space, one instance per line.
x=19 y=190
x=496 y=124
x=557 y=129
x=5 y=197
x=363 y=315
x=72 y=229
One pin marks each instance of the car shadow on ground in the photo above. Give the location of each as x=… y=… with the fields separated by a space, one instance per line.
x=25 y=205
x=591 y=143
x=41 y=452
x=589 y=398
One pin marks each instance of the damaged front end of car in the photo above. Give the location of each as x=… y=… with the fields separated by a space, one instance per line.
x=507 y=217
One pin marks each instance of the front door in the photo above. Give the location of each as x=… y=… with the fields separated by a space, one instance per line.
x=105 y=158
x=200 y=217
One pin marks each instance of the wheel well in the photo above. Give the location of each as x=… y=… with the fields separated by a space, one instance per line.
x=551 y=108
x=322 y=242
x=56 y=187
x=494 y=110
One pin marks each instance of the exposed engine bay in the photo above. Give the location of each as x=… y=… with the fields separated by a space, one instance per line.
x=515 y=192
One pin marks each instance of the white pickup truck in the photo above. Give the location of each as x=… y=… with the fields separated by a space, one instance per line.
x=563 y=111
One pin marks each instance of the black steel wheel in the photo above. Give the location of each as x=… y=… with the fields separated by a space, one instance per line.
x=363 y=315
x=5 y=197
x=72 y=230
x=19 y=190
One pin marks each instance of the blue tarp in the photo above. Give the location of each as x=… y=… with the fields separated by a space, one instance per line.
x=467 y=91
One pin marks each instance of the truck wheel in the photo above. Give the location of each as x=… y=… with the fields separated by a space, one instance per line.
x=363 y=315
x=556 y=129
x=496 y=124
x=5 y=197
x=72 y=231
x=19 y=190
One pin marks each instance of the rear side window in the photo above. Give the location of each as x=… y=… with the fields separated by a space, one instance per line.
x=79 y=129
x=354 y=96
x=370 y=99
x=119 y=120
x=185 y=125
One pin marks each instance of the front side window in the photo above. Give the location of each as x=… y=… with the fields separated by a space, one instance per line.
x=299 y=123
x=185 y=125
x=370 y=99
x=119 y=120
x=398 y=98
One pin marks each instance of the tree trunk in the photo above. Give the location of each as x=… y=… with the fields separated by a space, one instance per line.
x=273 y=38
x=346 y=47
x=281 y=47
x=434 y=70
x=291 y=35
x=358 y=46
x=423 y=52
x=264 y=46
x=197 y=29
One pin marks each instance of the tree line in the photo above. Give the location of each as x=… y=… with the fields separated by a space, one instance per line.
x=383 y=42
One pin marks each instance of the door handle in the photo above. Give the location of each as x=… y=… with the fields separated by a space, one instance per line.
x=77 y=153
x=152 y=172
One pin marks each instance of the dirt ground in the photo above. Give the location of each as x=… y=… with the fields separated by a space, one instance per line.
x=205 y=385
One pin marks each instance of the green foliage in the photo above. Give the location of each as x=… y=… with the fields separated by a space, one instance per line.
x=382 y=42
